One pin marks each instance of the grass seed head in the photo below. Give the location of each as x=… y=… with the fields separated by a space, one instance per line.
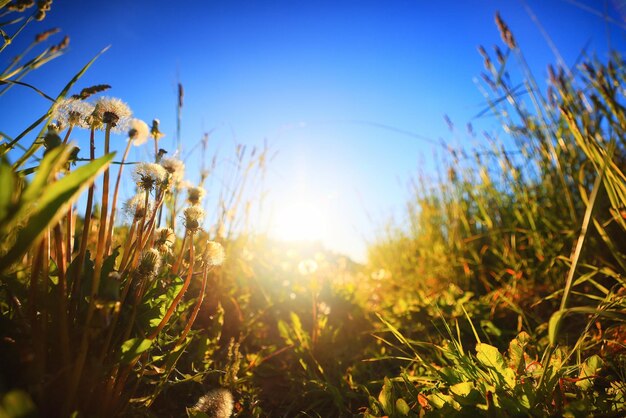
x=505 y=32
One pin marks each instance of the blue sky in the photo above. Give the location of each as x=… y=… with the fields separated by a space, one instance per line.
x=313 y=78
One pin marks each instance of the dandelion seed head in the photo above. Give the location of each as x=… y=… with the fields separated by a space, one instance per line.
x=72 y=112
x=150 y=264
x=195 y=194
x=193 y=216
x=148 y=175
x=138 y=132
x=135 y=207
x=213 y=254
x=165 y=238
x=175 y=167
x=217 y=403
x=114 y=112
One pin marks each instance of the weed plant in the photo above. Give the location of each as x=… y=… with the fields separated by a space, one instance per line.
x=503 y=295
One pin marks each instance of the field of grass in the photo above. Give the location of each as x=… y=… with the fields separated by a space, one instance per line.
x=502 y=295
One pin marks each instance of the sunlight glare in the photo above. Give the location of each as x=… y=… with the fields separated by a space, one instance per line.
x=300 y=219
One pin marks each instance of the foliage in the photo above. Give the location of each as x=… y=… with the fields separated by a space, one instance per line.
x=502 y=295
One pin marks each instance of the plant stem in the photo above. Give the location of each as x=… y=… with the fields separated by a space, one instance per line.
x=109 y=236
x=196 y=309
x=84 y=344
x=80 y=258
x=178 y=297
x=64 y=339
x=69 y=226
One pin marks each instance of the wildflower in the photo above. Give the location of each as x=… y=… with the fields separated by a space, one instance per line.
x=175 y=167
x=72 y=112
x=213 y=254
x=164 y=240
x=149 y=265
x=135 y=207
x=138 y=132
x=217 y=403
x=154 y=130
x=113 y=112
x=147 y=175
x=193 y=215
x=195 y=194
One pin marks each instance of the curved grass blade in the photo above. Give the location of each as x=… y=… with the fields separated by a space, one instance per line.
x=52 y=206
x=36 y=144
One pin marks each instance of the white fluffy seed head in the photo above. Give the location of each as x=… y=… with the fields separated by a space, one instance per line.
x=195 y=194
x=193 y=217
x=149 y=175
x=175 y=168
x=213 y=254
x=217 y=403
x=135 y=207
x=72 y=112
x=164 y=241
x=138 y=132
x=150 y=264
x=113 y=112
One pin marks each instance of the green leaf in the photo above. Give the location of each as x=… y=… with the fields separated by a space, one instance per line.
x=52 y=161
x=556 y=318
x=52 y=206
x=132 y=348
x=402 y=407
x=7 y=188
x=17 y=404
x=385 y=397
x=489 y=356
x=462 y=389
x=588 y=370
x=516 y=351
x=50 y=164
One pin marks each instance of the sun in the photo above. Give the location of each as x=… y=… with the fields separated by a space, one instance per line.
x=300 y=218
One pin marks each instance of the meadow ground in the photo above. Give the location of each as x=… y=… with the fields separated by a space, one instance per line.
x=501 y=295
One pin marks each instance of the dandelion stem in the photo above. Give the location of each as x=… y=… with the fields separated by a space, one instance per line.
x=196 y=309
x=80 y=259
x=114 y=201
x=84 y=344
x=180 y=294
x=179 y=259
x=64 y=339
x=69 y=227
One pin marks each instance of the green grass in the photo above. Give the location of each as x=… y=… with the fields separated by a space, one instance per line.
x=502 y=294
